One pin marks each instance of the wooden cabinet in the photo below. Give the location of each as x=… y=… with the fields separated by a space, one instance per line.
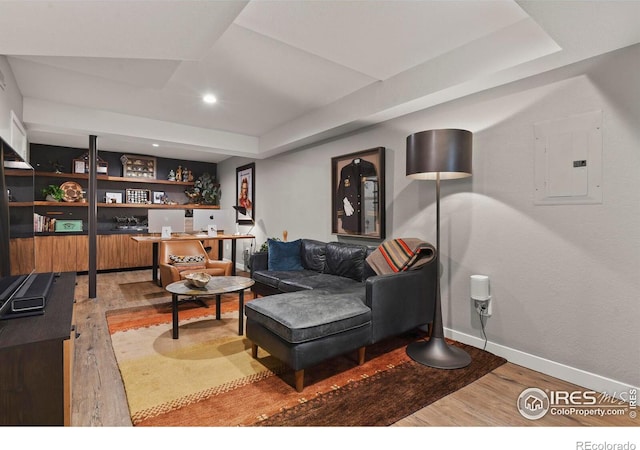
x=64 y=253
x=36 y=355
x=21 y=252
x=119 y=251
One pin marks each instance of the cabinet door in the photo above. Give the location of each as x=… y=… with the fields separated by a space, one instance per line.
x=109 y=252
x=140 y=254
x=44 y=253
x=21 y=252
x=82 y=253
x=64 y=253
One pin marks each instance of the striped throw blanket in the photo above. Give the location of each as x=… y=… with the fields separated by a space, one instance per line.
x=397 y=255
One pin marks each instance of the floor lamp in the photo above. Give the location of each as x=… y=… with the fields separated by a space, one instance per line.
x=438 y=155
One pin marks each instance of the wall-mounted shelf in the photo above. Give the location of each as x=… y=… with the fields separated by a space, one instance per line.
x=82 y=176
x=114 y=205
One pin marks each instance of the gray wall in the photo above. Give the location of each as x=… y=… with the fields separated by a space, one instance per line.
x=10 y=99
x=564 y=278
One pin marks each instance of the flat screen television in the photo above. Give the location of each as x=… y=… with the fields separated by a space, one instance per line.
x=17 y=246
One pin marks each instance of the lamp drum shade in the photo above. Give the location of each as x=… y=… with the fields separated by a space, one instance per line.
x=447 y=152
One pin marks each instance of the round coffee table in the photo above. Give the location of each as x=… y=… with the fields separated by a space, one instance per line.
x=216 y=286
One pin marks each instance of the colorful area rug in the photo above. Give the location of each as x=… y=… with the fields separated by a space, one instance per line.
x=207 y=377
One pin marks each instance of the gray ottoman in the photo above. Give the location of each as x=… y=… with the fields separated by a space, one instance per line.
x=307 y=327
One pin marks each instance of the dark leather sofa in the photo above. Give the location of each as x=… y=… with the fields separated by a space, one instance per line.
x=334 y=305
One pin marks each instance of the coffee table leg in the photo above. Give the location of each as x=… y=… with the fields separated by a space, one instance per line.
x=241 y=314
x=217 y=307
x=174 y=307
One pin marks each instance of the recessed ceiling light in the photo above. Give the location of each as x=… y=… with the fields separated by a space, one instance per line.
x=156 y=145
x=209 y=98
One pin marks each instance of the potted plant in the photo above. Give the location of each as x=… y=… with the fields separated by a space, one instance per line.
x=205 y=191
x=53 y=193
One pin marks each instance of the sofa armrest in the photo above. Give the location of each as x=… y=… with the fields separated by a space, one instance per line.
x=258 y=261
x=401 y=302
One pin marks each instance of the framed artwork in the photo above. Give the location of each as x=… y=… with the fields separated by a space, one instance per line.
x=82 y=165
x=134 y=166
x=78 y=166
x=246 y=193
x=113 y=197
x=357 y=194
x=158 y=197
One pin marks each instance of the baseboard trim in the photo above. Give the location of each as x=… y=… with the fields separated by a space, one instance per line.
x=570 y=374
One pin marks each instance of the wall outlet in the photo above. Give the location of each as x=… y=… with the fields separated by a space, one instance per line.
x=484 y=307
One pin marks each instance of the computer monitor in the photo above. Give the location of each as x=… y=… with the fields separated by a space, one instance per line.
x=159 y=218
x=221 y=218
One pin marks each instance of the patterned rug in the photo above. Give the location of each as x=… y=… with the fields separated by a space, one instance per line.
x=207 y=377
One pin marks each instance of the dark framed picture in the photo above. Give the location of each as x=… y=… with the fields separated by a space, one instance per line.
x=246 y=194
x=158 y=197
x=357 y=197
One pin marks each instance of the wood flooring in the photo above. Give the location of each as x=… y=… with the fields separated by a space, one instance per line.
x=99 y=399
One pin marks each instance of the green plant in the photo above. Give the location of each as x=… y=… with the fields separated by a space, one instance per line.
x=54 y=191
x=205 y=191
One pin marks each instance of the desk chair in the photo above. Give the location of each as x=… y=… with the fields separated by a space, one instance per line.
x=176 y=259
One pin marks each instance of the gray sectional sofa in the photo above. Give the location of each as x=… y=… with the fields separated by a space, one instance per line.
x=330 y=302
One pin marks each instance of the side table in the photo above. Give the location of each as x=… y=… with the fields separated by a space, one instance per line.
x=216 y=286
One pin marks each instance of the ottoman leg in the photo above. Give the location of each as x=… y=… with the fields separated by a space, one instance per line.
x=299 y=380
x=254 y=351
x=361 y=355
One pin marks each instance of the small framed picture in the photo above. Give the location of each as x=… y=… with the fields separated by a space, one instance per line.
x=158 y=197
x=78 y=166
x=113 y=197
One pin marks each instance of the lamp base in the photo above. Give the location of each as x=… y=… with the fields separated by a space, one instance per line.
x=438 y=354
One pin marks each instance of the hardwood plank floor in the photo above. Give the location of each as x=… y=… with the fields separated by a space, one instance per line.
x=99 y=399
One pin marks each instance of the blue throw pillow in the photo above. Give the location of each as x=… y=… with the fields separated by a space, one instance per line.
x=284 y=255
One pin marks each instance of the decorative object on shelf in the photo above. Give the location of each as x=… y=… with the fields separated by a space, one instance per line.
x=435 y=155
x=198 y=279
x=134 y=166
x=57 y=167
x=81 y=165
x=113 y=197
x=205 y=191
x=141 y=196
x=358 y=200
x=53 y=193
x=179 y=174
x=189 y=176
x=172 y=175
x=246 y=193
x=130 y=223
x=68 y=225
x=159 y=197
x=72 y=191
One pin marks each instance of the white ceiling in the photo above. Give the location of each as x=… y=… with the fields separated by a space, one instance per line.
x=286 y=73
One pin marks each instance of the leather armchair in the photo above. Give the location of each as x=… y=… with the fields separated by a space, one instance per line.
x=171 y=271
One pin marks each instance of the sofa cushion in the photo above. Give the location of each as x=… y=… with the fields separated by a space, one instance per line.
x=304 y=316
x=273 y=277
x=330 y=283
x=346 y=260
x=284 y=255
x=313 y=255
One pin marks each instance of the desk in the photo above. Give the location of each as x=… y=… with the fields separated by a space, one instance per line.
x=155 y=239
